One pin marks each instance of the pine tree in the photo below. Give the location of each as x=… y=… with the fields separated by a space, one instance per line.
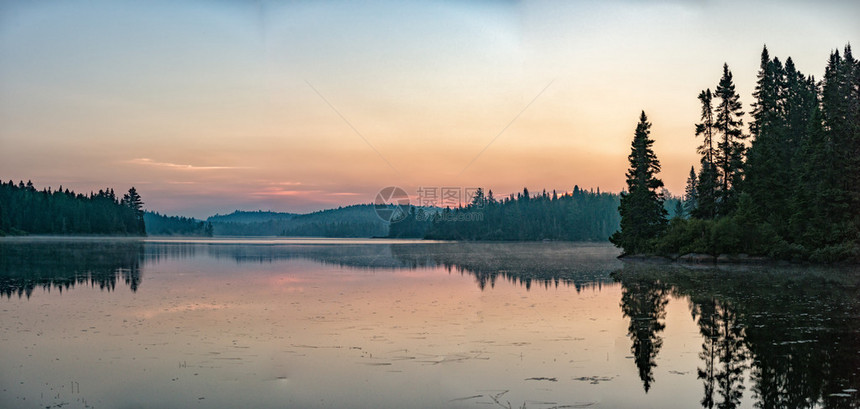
x=763 y=165
x=730 y=149
x=839 y=193
x=706 y=186
x=133 y=201
x=643 y=217
x=799 y=102
x=810 y=223
x=706 y=128
x=850 y=82
x=764 y=113
x=783 y=106
x=691 y=194
x=478 y=200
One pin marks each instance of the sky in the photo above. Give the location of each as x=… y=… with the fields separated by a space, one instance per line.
x=210 y=106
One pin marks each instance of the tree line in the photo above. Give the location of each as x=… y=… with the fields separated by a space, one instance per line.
x=26 y=210
x=163 y=225
x=580 y=215
x=347 y=221
x=792 y=192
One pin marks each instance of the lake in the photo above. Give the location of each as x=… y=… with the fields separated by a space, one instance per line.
x=323 y=323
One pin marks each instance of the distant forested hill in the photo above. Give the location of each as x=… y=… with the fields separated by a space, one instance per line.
x=350 y=221
x=162 y=225
x=26 y=210
x=258 y=216
x=577 y=216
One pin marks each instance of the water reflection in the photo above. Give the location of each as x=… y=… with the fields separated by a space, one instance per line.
x=545 y=264
x=723 y=354
x=644 y=302
x=767 y=337
x=794 y=331
x=526 y=264
x=61 y=264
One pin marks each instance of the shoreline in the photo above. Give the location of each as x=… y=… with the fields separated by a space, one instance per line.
x=699 y=259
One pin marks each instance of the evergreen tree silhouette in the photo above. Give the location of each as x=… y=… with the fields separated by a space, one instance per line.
x=643 y=216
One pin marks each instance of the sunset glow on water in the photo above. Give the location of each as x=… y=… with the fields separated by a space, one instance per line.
x=337 y=325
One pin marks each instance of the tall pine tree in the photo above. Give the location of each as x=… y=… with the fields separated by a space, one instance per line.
x=706 y=186
x=839 y=190
x=643 y=217
x=850 y=83
x=730 y=148
x=768 y=175
x=133 y=201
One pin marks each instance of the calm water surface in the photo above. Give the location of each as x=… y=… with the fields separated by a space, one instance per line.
x=317 y=323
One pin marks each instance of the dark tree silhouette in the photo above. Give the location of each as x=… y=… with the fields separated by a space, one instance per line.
x=133 y=201
x=576 y=216
x=706 y=185
x=784 y=103
x=23 y=210
x=644 y=302
x=163 y=225
x=730 y=149
x=643 y=216
x=691 y=194
x=795 y=193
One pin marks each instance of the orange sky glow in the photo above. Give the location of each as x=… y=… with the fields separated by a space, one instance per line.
x=211 y=107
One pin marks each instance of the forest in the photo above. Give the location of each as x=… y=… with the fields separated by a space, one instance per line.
x=26 y=210
x=580 y=215
x=158 y=224
x=787 y=187
x=347 y=221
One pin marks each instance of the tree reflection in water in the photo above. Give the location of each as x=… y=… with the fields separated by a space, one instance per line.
x=644 y=302
x=63 y=263
x=794 y=330
x=723 y=353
